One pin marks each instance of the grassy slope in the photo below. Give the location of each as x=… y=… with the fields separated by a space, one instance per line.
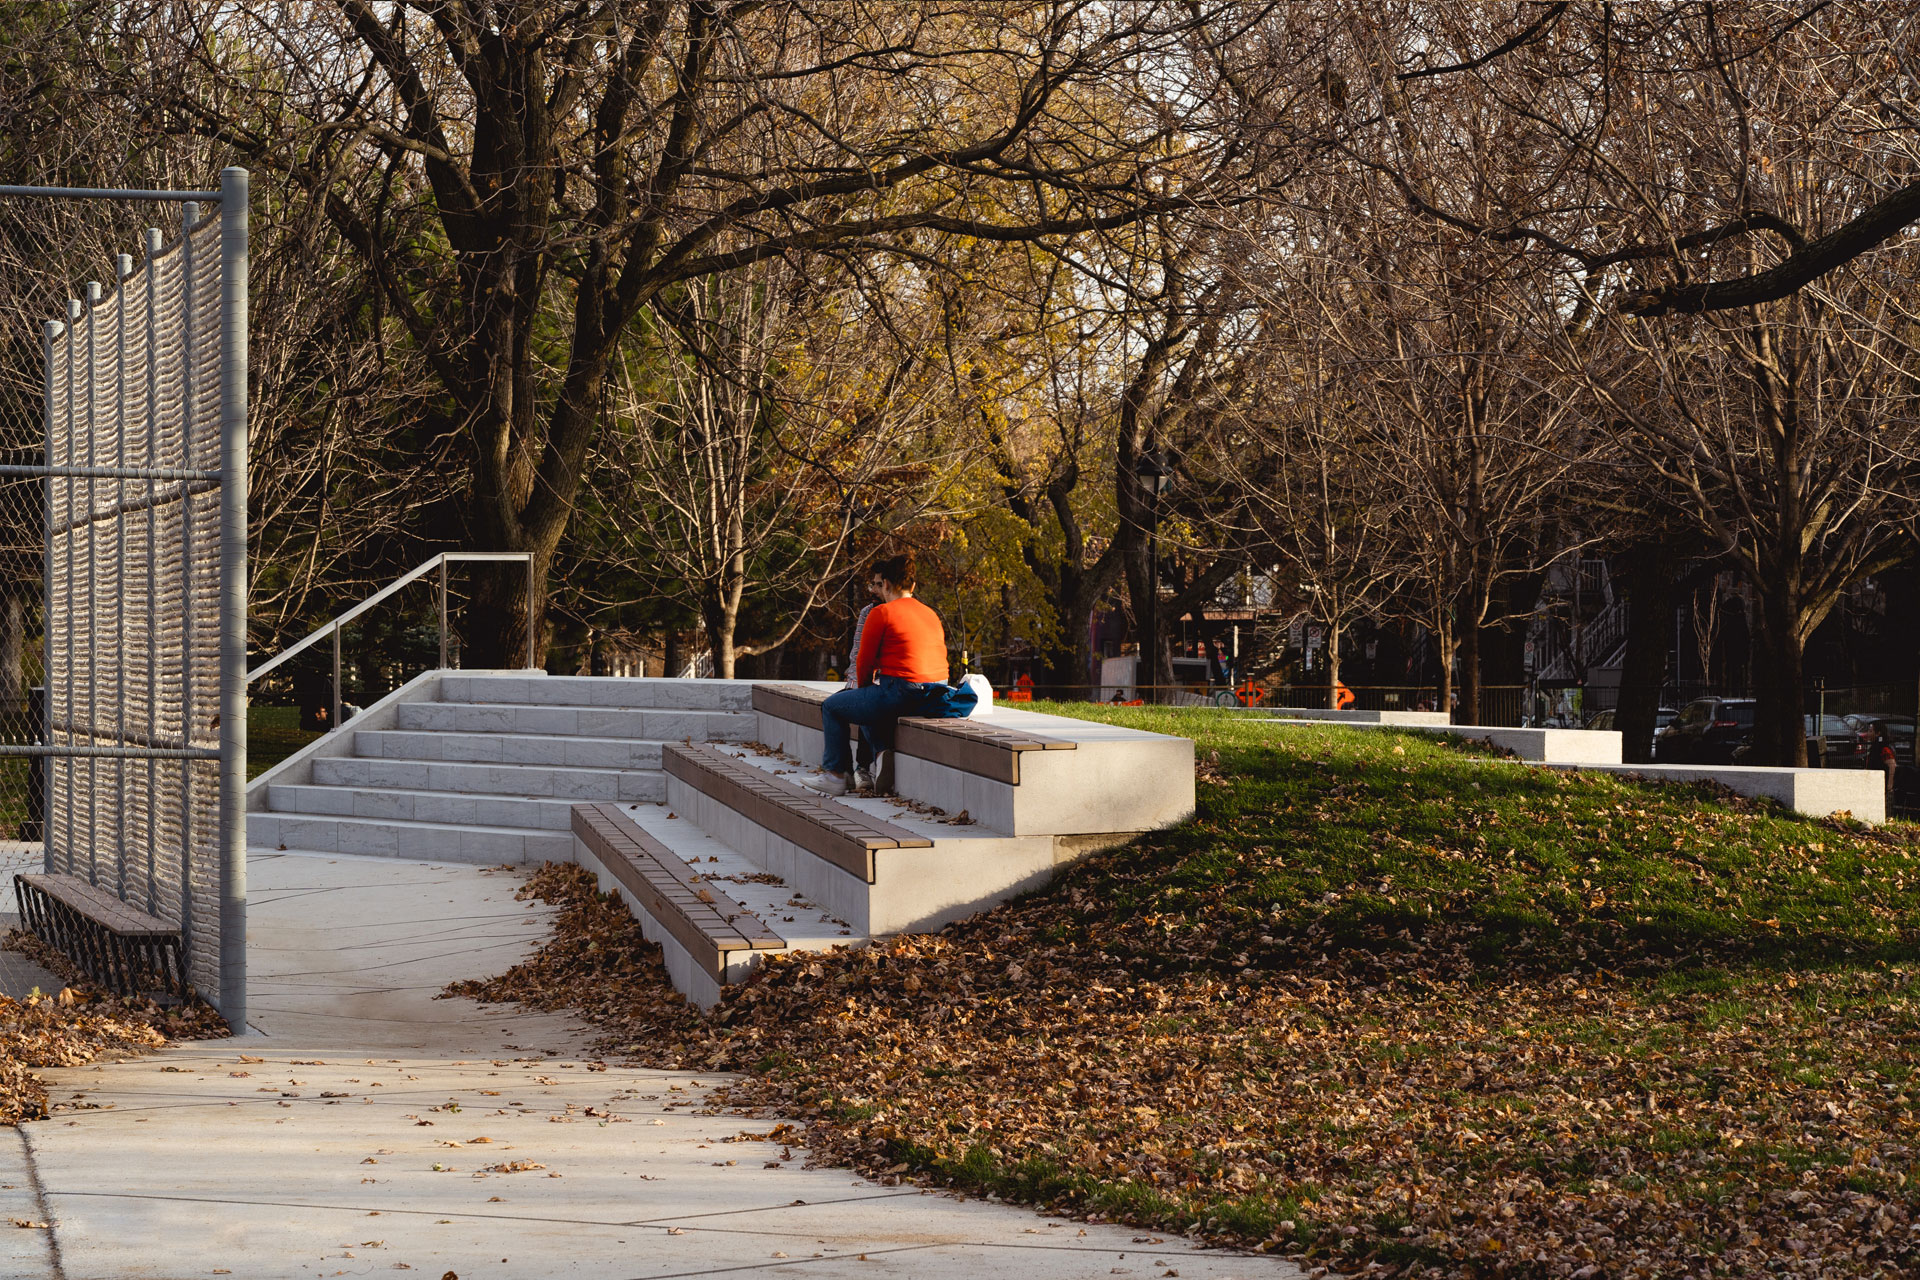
x=1358 y=834
x=273 y=734
x=1375 y=1004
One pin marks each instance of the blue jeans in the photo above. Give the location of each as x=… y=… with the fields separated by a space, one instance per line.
x=874 y=708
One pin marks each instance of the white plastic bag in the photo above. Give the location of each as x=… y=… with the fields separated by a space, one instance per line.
x=978 y=683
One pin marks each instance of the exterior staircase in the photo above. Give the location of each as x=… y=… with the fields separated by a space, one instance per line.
x=684 y=797
x=485 y=768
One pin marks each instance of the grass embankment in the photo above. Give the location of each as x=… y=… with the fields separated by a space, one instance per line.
x=1376 y=1005
x=273 y=734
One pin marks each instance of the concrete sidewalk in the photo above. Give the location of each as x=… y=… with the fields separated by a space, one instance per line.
x=366 y=1128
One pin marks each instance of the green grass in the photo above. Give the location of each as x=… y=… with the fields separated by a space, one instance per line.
x=1378 y=1000
x=1367 y=838
x=273 y=734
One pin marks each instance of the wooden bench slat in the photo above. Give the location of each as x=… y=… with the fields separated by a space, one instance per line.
x=971 y=746
x=663 y=882
x=105 y=909
x=840 y=835
x=115 y=942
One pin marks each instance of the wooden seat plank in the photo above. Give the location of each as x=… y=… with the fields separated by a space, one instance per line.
x=842 y=836
x=971 y=746
x=116 y=942
x=708 y=926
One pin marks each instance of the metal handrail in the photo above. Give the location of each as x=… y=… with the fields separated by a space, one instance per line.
x=439 y=562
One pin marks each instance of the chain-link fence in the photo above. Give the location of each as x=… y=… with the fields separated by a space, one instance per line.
x=136 y=516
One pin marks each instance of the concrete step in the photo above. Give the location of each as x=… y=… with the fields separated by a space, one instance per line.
x=508 y=748
x=1013 y=771
x=868 y=861
x=490 y=779
x=537 y=813
x=575 y=721
x=599 y=691
x=419 y=841
x=714 y=912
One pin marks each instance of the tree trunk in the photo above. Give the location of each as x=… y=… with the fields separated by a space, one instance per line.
x=1648 y=574
x=498 y=618
x=13 y=634
x=1469 y=648
x=1333 y=662
x=1779 y=732
x=721 y=612
x=1444 y=645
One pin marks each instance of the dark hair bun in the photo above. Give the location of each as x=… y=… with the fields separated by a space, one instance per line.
x=897 y=570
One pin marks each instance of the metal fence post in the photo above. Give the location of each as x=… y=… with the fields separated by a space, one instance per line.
x=189 y=634
x=50 y=332
x=94 y=293
x=233 y=598
x=532 y=665
x=443 y=611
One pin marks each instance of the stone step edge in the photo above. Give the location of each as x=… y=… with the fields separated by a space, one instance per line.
x=573 y=706
x=524 y=737
x=702 y=919
x=418 y=824
x=417 y=792
x=970 y=746
x=835 y=833
x=483 y=764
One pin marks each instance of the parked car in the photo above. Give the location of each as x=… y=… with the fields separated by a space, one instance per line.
x=1661 y=719
x=1707 y=731
x=1841 y=741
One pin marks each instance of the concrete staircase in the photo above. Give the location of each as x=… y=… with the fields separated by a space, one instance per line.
x=683 y=796
x=482 y=767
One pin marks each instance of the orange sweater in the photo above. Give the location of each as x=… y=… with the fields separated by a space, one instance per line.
x=902 y=638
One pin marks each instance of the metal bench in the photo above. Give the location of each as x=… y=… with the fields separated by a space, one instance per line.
x=117 y=945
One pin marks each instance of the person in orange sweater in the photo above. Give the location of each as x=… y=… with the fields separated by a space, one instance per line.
x=901 y=667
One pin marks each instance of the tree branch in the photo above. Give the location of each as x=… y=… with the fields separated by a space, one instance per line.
x=1868 y=231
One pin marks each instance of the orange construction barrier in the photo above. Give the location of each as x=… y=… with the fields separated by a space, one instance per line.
x=1022 y=690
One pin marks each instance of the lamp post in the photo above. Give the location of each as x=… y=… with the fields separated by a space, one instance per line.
x=1154 y=477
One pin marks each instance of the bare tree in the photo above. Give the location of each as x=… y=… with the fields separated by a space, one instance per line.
x=786 y=420
x=522 y=179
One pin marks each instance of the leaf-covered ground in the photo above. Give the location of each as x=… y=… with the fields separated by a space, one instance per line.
x=76 y=1025
x=1379 y=1006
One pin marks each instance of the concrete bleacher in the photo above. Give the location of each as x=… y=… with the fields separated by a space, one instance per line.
x=683 y=797
x=1541 y=746
x=1816 y=793
x=1410 y=719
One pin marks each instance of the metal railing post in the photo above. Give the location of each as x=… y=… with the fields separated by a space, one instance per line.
x=334 y=722
x=233 y=597
x=413 y=575
x=531 y=663
x=443 y=611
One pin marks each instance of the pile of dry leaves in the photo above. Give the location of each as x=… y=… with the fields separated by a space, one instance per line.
x=1390 y=1118
x=75 y=1026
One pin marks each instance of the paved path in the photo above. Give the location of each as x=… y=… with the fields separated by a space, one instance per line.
x=319 y=1159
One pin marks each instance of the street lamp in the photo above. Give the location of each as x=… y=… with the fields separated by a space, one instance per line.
x=1151 y=470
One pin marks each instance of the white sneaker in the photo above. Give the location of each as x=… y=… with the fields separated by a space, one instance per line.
x=831 y=784
x=862 y=780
